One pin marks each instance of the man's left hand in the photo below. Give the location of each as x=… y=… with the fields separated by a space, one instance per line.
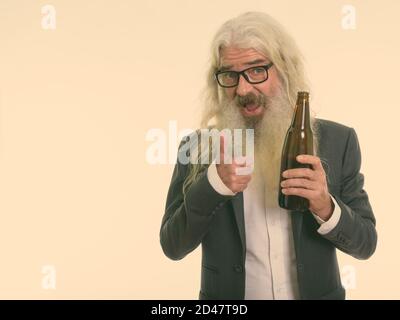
x=310 y=184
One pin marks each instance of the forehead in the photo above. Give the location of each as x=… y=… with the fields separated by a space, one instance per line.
x=237 y=56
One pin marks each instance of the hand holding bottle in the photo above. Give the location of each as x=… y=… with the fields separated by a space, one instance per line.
x=310 y=184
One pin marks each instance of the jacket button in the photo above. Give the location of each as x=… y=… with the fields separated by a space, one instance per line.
x=300 y=267
x=238 y=268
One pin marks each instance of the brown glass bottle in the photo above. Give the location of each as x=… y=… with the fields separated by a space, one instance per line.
x=298 y=140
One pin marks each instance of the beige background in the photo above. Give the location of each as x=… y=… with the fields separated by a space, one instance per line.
x=76 y=102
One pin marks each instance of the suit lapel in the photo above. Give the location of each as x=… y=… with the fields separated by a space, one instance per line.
x=238 y=208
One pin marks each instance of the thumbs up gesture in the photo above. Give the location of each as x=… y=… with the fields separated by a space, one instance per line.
x=235 y=173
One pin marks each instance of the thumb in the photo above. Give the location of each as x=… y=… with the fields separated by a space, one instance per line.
x=221 y=148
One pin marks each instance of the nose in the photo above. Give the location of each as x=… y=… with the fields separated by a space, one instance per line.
x=243 y=86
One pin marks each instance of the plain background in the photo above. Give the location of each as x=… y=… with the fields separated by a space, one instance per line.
x=76 y=191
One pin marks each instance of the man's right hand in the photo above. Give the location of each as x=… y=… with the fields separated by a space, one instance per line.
x=234 y=174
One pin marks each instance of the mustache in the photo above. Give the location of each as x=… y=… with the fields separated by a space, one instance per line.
x=251 y=98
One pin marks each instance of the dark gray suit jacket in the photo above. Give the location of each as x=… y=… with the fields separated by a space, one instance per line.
x=217 y=223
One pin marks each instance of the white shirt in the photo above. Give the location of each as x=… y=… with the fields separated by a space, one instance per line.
x=270 y=255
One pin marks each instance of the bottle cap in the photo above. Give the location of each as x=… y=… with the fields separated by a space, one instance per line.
x=303 y=94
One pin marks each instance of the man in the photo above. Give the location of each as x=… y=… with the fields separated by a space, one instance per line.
x=252 y=248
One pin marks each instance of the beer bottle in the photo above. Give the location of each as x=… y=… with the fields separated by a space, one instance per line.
x=298 y=140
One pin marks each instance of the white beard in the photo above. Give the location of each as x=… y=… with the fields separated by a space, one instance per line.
x=269 y=135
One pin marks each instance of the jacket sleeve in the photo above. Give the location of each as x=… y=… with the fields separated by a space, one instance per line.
x=355 y=232
x=187 y=218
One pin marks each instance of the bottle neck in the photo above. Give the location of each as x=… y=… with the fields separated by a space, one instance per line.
x=301 y=118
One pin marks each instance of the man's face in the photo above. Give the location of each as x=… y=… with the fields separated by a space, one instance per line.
x=239 y=59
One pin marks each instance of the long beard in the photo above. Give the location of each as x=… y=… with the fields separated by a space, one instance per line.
x=269 y=135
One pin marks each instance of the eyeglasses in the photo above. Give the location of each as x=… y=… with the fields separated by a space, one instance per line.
x=253 y=75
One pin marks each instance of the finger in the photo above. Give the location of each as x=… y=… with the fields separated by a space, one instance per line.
x=299 y=173
x=313 y=160
x=238 y=179
x=240 y=187
x=231 y=169
x=299 y=183
x=240 y=161
x=243 y=179
x=243 y=170
x=225 y=150
x=301 y=192
x=243 y=161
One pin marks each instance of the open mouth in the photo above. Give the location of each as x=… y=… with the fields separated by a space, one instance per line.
x=251 y=109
